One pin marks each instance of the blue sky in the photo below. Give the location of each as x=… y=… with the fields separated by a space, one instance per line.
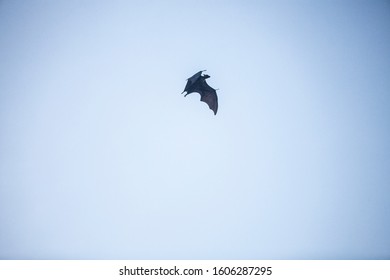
x=102 y=158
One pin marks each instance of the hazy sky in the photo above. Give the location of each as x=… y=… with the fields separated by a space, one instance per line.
x=102 y=158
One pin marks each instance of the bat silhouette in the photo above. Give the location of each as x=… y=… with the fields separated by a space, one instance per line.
x=197 y=83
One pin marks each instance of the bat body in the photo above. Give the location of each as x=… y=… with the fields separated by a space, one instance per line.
x=197 y=83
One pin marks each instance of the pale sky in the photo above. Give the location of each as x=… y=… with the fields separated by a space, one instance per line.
x=102 y=158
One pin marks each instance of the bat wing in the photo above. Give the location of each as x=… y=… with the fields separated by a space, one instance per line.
x=188 y=86
x=192 y=81
x=207 y=94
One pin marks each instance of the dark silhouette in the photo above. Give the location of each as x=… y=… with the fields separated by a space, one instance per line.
x=197 y=83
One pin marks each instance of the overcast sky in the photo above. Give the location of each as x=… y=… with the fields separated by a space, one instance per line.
x=102 y=158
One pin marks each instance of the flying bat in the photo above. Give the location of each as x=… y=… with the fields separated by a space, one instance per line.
x=197 y=83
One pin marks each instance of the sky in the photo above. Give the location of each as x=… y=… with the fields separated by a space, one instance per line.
x=101 y=157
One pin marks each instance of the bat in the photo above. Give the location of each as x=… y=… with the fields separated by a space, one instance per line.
x=197 y=83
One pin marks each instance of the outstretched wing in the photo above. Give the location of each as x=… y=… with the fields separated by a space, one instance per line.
x=207 y=94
